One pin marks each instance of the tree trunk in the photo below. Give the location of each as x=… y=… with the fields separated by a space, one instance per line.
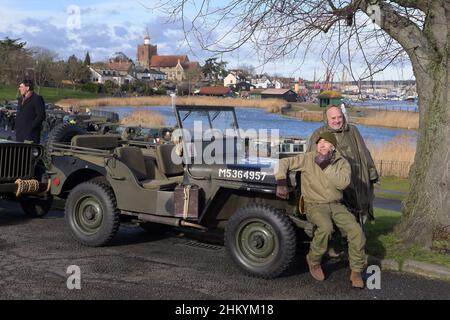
x=427 y=209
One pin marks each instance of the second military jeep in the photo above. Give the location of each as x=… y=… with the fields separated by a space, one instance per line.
x=105 y=178
x=23 y=177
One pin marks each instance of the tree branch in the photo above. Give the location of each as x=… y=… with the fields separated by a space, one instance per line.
x=421 y=5
x=403 y=30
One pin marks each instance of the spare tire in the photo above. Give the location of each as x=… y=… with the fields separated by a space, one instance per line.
x=62 y=133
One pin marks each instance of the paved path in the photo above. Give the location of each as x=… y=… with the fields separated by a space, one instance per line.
x=35 y=254
x=387 y=204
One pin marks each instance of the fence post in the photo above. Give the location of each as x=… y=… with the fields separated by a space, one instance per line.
x=381 y=168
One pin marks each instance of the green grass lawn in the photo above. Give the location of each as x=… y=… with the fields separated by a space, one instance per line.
x=383 y=243
x=392 y=188
x=49 y=94
x=395 y=184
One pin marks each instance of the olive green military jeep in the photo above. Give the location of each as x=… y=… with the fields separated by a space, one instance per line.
x=105 y=178
x=23 y=177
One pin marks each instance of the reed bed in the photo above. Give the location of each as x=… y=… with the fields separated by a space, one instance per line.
x=395 y=157
x=392 y=119
x=389 y=119
x=270 y=105
x=144 y=118
x=310 y=116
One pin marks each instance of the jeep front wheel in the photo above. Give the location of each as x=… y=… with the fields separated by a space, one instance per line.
x=261 y=241
x=91 y=214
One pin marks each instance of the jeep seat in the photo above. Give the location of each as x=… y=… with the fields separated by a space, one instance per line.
x=144 y=169
x=165 y=162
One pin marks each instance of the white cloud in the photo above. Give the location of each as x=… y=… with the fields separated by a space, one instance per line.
x=108 y=27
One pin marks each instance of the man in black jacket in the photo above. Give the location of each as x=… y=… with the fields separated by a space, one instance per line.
x=30 y=113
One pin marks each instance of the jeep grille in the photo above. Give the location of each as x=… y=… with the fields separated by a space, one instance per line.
x=16 y=161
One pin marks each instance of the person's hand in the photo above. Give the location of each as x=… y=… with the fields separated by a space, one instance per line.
x=323 y=160
x=282 y=189
x=282 y=192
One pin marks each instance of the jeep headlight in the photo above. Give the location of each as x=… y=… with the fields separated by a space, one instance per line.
x=36 y=152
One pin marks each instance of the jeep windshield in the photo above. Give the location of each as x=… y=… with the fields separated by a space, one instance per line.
x=220 y=120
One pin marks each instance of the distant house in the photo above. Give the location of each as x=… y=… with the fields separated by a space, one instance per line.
x=101 y=75
x=170 y=65
x=146 y=74
x=262 y=82
x=329 y=97
x=283 y=82
x=232 y=79
x=277 y=84
x=244 y=86
x=285 y=94
x=177 y=68
x=255 y=94
x=215 y=91
x=97 y=75
x=122 y=68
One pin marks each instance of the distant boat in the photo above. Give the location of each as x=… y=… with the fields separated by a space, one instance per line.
x=410 y=99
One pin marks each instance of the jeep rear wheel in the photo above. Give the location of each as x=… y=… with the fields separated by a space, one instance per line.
x=261 y=241
x=91 y=214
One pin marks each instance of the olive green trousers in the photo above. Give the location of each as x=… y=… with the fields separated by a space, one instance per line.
x=323 y=216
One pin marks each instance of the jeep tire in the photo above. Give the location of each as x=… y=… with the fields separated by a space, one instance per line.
x=261 y=240
x=62 y=133
x=91 y=213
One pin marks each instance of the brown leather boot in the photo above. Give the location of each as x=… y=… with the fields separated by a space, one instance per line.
x=356 y=279
x=316 y=272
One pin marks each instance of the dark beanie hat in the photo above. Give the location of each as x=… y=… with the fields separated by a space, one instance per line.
x=329 y=137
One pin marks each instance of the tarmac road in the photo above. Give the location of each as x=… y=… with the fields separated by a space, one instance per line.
x=35 y=255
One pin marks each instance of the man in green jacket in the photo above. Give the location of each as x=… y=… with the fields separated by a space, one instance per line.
x=359 y=195
x=325 y=174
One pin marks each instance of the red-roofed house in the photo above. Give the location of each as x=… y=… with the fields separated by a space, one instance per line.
x=215 y=91
x=176 y=67
x=122 y=67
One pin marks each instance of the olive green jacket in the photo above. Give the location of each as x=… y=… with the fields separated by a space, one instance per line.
x=318 y=186
x=359 y=195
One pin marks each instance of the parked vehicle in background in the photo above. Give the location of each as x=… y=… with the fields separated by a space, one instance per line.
x=23 y=177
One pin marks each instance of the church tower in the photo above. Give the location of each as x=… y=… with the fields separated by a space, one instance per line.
x=145 y=53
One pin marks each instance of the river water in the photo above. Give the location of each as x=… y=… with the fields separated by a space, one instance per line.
x=249 y=118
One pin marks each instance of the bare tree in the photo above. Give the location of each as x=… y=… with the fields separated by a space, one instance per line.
x=77 y=73
x=59 y=73
x=376 y=32
x=44 y=60
x=15 y=61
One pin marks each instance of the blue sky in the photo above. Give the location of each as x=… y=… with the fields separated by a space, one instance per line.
x=105 y=27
